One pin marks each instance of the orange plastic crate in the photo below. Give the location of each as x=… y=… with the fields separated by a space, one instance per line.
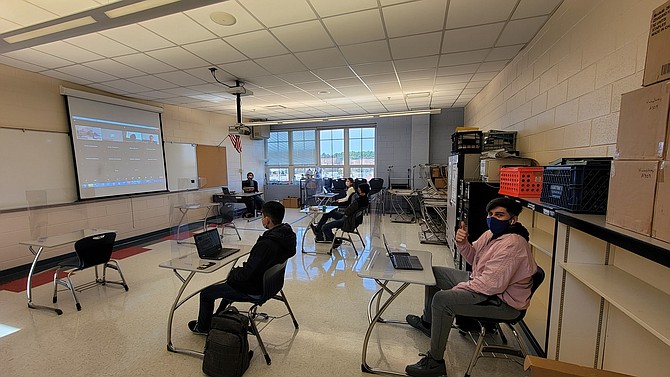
x=524 y=182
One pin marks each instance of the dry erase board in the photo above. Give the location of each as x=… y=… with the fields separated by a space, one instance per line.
x=182 y=168
x=34 y=161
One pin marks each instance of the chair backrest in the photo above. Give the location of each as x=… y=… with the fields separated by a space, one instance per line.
x=226 y=212
x=95 y=250
x=273 y=281
x=351 y=223
x=358 y=181
x=339 y=184
x=538 y=278
x=376 y=184
x=327 y=184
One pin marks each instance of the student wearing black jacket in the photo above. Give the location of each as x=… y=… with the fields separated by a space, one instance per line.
x=324 y=229
x=274 y=246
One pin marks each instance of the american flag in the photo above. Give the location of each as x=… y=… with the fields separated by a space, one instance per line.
x=237 y=142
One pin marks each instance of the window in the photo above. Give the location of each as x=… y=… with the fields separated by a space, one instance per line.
x=362 y=152
x=332 y=153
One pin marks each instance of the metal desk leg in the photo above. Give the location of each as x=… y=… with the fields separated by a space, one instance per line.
x=364 y=364
x=29 y=285
x=312 y=217
x=177 y=303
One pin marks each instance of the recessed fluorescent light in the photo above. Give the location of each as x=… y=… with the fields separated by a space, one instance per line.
x=67 y=25
x=417 y=95
x=137 y=7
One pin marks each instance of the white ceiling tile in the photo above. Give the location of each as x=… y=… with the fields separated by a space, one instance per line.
x=6 y=25
x=114 y=68
x=380 y=79
x=477 y=84
x=366 y=52
x=413 y=64
x=314 y=86
x=88 y=73
x=245 y=21
x=244 y=70
x=300 y=96
x=304 y=36
x=354 y=91
x=152 y=82
x=178 y=58
x=156 y=94
x=452 y=79
x=329 y=57
x=338 y=83
x=373 y=68
x=471 y=38
x=520 y=31
x=464 y=13
x=182 y=92
x=448 y=86
x=496 y=66
x=327 y=8
x=457 y=69
x=281 y=64
x=368 y=27
x=68 y=7
x=398 y=18
x=137 y=37
x=180 y=78
x=410 y=86
x=384 y=87
x=20 y=64
x=459 y=58
x=101 y=45
x=38 y=58
x=503 y=53
x=257 y=44
x=532 y=8
x=417 y=75
x=471 y=92
x=484 y=76
x=334 y=73
x=295 y=77
x=68 y=51
x=26 y=14
x=284 y=90
x=416 y=45
x=178 y=28
x=65 y=77
x=126 y=86
x=215 y=51
x=106 y=88
x=270 y=81
x=274 y=13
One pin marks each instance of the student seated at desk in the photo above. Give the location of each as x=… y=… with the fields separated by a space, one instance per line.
x=502 y=270
x=343 y=202
x=274 y=246
x=253 y=202
x=324 y=229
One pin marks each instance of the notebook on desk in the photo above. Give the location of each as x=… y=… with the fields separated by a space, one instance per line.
x=209 y=246
x=402 y=260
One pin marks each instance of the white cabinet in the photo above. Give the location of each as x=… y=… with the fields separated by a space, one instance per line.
x=611 y=298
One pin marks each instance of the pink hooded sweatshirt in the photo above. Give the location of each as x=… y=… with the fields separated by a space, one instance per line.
x=502 y=266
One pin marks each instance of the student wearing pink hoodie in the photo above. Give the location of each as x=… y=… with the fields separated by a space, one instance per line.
x=502 y=270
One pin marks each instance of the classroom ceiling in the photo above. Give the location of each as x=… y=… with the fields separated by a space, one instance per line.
x=300 y=58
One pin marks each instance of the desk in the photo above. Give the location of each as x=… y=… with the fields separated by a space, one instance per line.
x=193 y=264
x=378 y=267
x=187 y=207
x=324 y=198
x=51 y=242
x=399 y=216
x=312 y=218
x=240 y=196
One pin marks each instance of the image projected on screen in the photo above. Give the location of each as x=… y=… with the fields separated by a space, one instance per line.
x=118 y=149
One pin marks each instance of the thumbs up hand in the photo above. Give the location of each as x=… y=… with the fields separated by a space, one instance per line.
x=462 y=233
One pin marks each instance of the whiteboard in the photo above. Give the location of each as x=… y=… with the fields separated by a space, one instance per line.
x=182 y=169
x=35 y=161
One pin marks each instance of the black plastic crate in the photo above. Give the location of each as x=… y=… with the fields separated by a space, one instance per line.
x=577 y=188
x=470 y=141
x=499 y=140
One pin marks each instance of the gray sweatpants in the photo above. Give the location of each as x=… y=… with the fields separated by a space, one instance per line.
x=442 y=304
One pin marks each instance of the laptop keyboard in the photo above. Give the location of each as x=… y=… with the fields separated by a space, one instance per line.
x=403 y=261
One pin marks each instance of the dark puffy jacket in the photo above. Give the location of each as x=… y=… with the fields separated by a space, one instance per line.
x=360 y=202
x=273 y=247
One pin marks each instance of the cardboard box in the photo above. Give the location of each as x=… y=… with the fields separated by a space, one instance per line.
x=291 y=202
x=657 y=65
x=660 y=228
x=489 y=168
x=540 y=367
x=643 y=123
x=630 y=203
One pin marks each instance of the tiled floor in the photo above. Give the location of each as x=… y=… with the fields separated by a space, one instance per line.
x=120 y=333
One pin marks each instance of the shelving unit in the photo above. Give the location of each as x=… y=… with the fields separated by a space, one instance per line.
x=611 y=297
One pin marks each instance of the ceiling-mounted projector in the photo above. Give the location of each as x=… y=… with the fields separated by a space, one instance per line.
x=238 y=90
x=240 y=129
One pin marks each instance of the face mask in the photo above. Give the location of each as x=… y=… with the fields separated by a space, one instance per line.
x=497 y=226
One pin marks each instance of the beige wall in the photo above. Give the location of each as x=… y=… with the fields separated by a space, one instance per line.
x=563 y=92
x=32 y=101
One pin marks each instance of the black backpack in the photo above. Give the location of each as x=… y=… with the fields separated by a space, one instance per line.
x=227 y=348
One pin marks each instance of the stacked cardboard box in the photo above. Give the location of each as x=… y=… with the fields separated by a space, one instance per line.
x=291 y=202
x=637 y=181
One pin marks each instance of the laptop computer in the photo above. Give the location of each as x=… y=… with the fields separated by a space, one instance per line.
x=208 y=244
x=402 y=260
x=225 y=190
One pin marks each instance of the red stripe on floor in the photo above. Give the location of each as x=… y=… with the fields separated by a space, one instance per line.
x=128 y=252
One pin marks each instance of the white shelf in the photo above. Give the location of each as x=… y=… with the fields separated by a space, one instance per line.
x=643 y=303
x=541 y=240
